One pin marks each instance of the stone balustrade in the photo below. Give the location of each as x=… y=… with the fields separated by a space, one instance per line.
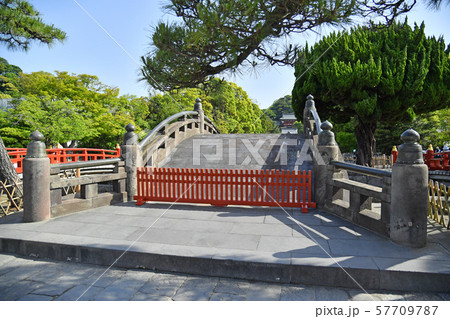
x=401 y=195
x=44 y=184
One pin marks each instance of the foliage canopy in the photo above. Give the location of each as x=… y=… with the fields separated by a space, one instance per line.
x=20 y=24
x=387 y=75
x=227 y=104
x=70 y=108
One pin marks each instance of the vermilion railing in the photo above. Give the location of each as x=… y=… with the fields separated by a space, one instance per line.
x=437 y=161
x=225 y=187
x=63 y=155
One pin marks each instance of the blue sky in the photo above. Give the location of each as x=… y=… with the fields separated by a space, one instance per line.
x=88 y=49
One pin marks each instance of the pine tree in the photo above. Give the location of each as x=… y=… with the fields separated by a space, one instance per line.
x=211 y=37
x=20 y=24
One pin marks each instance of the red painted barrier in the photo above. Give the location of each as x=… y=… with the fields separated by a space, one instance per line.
x=437 y=161
x=394 y=154
x=225 y=187
x=64 y=155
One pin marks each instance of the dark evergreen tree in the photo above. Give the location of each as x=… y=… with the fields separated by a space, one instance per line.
x=379 y=74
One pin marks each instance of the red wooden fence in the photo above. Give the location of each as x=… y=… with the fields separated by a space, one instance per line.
x=63 y=155
x=225 y=187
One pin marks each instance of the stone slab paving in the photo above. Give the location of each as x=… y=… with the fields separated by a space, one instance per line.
x=82 y=282
x=202 y=234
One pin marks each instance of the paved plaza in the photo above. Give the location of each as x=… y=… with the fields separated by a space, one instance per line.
x=44 y=280
x=200 y=252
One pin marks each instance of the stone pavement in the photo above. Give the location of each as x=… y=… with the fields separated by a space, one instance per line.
x=247 y=243
x=27 y=279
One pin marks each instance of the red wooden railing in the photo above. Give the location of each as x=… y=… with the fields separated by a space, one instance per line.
x=225 y=187
x=437 y=161
x=63 y=155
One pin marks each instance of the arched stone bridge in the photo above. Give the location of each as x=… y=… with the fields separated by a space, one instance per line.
x=190 y=140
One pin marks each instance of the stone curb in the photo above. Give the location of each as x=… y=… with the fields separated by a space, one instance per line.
x=369 y=279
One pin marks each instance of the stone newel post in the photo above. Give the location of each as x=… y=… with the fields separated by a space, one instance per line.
x=132 y=155
x=409 y=197
x=201 y=115
x=36 y=181
x=328 y=151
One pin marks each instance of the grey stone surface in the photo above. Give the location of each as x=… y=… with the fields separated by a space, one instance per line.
x=226 y=297
x=163 y=285
x=36 y=189
x=388 y=297
x=112 y=293
x=246 y=151
x=22 y=273
x=297 y=294
x=6 y=259
x=54 y=289
x=32 y=297
x=331 y=294
x=422 y=297
x=194 y=225
x=240 y=216
x=19 y=290
x=358 y=295
x=445 y=297
x=80 y=293
x=200 y=288
x=297 y=244
x=231 y=286
x=135 y=221
x=262 y=229
x=59 y=226
x=104 y=279
x=245 y=250
x=109 y=231
x=411 y=265
x=119 y=284
x=146 y=297
x=176 y=213
x=258 y=291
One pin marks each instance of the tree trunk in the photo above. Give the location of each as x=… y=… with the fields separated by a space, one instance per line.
x=365 y=138
x=8 y=173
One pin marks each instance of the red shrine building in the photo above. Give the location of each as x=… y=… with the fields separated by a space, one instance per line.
x=287 y=123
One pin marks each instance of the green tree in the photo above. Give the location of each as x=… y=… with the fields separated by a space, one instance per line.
x=211 y=37
x=388 y=74
x=69 y=109
x=8 y=78
x=20 y=24
x=227 y=104
x=433 y=128
x=280 y=106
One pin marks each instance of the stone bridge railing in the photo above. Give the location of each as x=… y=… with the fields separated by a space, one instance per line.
x=401 y=194
x=159 y=143
x=46 y=186
x=109 y=171
x=49 y=190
